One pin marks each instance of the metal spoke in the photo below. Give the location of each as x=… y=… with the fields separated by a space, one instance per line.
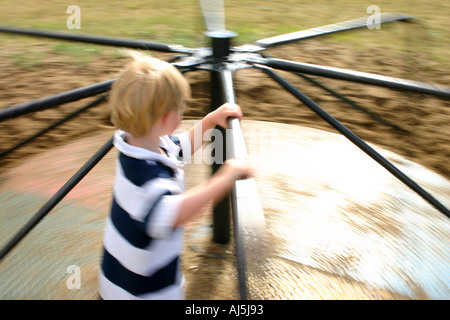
x=357 y=141
x=353 y=104
x=68 y=96
x=355 y=76
x=328 y=29
x=109 y=41
x=54 y=125
x=65 y=189
x=55 y=100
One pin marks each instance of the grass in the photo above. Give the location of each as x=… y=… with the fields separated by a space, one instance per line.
x=79 y=53
x=26 y=60
x=180 y=22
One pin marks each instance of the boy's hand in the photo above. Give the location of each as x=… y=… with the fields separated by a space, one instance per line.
x=228 y=110
x=237 y=169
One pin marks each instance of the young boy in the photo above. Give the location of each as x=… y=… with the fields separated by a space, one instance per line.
x=143 y=235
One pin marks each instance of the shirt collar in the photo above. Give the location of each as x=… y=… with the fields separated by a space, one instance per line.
x=143 y=154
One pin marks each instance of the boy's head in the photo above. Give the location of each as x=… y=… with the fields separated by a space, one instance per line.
x=146 y=89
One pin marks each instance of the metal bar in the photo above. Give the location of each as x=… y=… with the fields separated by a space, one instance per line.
x=248 y=216
x=55 y=100
x=73 y=181
x=235 y=149
x=328 y=29
x=238 y=143
x=355 y=76
x=221 y=211
x=357 y=141
x=353 y=104
x=64 y=97
x=115 y=42
x=221 y=40
x=54 y=125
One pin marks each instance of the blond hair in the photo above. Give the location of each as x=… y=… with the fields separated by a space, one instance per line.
x=145 y=90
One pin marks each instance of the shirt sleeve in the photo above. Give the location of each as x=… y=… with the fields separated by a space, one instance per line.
x=184 y=142
x=165 y=213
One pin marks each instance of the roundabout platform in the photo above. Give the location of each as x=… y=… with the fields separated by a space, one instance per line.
x=338 y=225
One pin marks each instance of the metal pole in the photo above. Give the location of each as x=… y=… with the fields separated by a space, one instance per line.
x=76 y=178
x=55 y=100
x=221 y=42
x=236 y=149
x=61 y=98
x=249 y=225
x=329 y=29
x=54 y=125
x=353 y=104
x=115 y=42
x=221 y=212
x=357 y=141
x=355 y=76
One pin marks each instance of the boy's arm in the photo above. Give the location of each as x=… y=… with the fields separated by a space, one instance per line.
x=210 y=121
x=215 y=189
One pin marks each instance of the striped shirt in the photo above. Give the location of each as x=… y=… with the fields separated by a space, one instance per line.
x=141 y=258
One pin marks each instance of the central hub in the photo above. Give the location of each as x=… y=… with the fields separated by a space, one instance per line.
x=221 y=42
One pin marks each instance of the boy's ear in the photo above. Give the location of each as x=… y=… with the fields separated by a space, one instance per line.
x=165 y=117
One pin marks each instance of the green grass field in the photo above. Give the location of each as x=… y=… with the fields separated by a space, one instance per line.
x=180 y=22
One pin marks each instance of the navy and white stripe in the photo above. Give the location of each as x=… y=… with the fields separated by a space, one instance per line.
x=142 y=249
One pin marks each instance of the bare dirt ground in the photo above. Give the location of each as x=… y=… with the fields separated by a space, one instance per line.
x=426 y=119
